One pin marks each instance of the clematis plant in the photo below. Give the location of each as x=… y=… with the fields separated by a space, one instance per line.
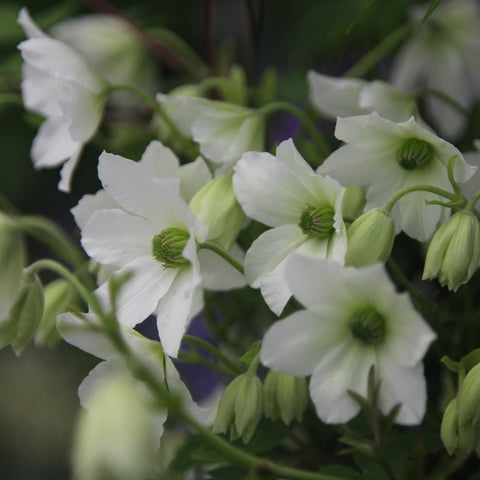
x=265 y=299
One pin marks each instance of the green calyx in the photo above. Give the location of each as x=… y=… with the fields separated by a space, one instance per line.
x=317 y=221
x=414 y=153
x=367 y=325
x=168 y=245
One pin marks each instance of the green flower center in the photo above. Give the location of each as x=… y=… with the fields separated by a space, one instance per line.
x=168 y=245
x=367 y=325
x=413 y=153
x=317 y=221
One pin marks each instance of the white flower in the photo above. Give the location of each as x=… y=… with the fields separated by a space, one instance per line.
x=353 y=320
x=153 y=235
x=385 y=157
x=304 y=208
x=443 y=55
x=223 y=130
x=345 y=97
x=60 y=85
x=113 y=48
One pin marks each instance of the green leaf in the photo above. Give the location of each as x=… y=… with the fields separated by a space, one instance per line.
x=341 y=471
x=450 y=364
x=430 y=10
x=471 y=359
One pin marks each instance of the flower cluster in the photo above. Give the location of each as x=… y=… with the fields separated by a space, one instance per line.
x=217 y=223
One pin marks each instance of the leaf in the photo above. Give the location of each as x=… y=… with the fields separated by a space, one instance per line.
x=471 y=359
x=341 y=471
x=452 y=365
x=430 y=10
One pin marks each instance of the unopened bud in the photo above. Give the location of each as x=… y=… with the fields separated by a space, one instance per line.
x=216 y=206
x=285 y=397
x=449 y=428
x=240 y=408
x=454 y=252
x=353 y=202
x=468 y=404
x=370 y=238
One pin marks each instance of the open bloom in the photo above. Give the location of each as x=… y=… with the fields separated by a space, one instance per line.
x=223 y=130
x=153 y=236
x=345 y=97
x=443 y=55
x=304 y=209
x=353 y=320
x=385 y=157
x=59 y=84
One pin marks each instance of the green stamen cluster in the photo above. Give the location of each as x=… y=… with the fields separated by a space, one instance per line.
x=367 y=325
x=413 y=153
x=168 y=245
x=317 y=221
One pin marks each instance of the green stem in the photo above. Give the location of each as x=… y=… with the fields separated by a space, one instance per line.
x=378 y=52
x=186 y=143
x=307 y=122
x=444 y=98
x=220 y=251
x=471 y=204
x=196 y=358
x=214 y=351
x=387 y=208
x=56 y=267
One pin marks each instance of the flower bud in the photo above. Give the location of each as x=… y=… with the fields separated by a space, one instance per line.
x=216 y=206
x=454 y=251
x=240 y=408
x=25 y=315
x=353 y=202
x=58 y=298
x=468 y=404
x=115 y=438
x=285 y=396
x=370 y=238
x=449 y=428
x=12 y=261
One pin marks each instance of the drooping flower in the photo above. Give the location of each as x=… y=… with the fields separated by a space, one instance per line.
x=153 y=235
x=304 y=209
x=443 y=55
x=385 y=157
x=345 y=97
x=59 y=84
x=354 y=319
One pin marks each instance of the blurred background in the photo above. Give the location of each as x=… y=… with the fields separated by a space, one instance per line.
x=38 y=390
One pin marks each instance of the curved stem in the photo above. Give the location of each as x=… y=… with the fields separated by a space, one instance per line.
x=444 y=98
x=186 y=143
x=220 y=251
x=214 y=351
x=471 y=204
x=418 y=188
x=307 y=122
x=378 y=52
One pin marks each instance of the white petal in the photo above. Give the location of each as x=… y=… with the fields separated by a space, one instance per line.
x=30 y=28
x=217 y=273
x=275 y=289
x=296 y=344
x=193 y=176
x=68 y=169
x=160 y=160
x=116 y=238
x=405 y=385
x=344 y=368
x=89 y=204
x=336 y=96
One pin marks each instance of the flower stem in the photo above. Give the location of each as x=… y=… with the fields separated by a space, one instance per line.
x=307 y=122
x=379 y=51
x=186 y=143
x=214 y=351
x=471 y=204
x=220 y=251
x=387 y=208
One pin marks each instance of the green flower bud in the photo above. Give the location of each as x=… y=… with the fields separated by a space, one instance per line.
x=454 y=251
x=370 y=238
x=216 y=206
x=468 y=398
x=58 y=298
x=353 y=202
x=12 y=261
x=449 y=428
x=240 y=408
x=285 y=397
x=25 y=316
x=116 y=438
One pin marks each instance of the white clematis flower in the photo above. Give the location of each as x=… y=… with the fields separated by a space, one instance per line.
x=153 y=235
x=385 y=157
x=223 y=130
x=443 y=55
x=345 y=97
x=354 y=319
x=304 y=209
x=60 y=85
